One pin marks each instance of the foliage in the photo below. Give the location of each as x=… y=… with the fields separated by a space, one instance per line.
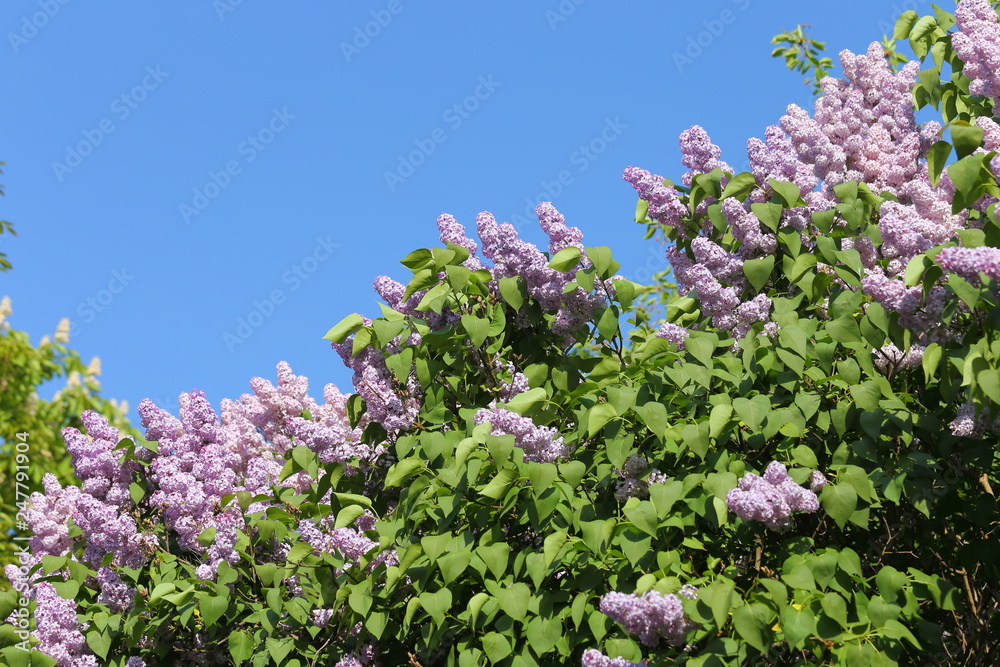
x=31 y=426
x=493 y=496
x=803 y=54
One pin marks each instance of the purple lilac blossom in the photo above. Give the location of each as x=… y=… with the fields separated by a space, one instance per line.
x=977 y=43
x=700 y=155
x=453 y=232
x=665 y=205
x=674 y=333
x=970 y=262
x=541 y=444
x=393 y=406
x=817 y=481
x=594 y=658
x=770 y=499
x=651 y=616
x=57 y=629
x=97 y=463
x=863 y=127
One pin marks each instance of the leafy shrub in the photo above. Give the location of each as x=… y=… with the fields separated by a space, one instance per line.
x=795 y=468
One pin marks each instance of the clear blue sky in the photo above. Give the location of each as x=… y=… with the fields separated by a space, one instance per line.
x=173 y=168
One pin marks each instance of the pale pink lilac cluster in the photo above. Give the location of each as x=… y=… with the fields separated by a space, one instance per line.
x=631 y=484
x=59 y=633
x=700 y=155
x=674 y=333
x=518 y=383
x=594 y=658
x=451 y=231
x=863 y=128
x=776 y=158
x=891 y=357
x=513 y=256
x=746 y=228
x=977 y=43
x=388 y=403
x=972 y=423
x=665 y=205
x=970 y=262
x=771 y=499
x=651 y=616
x=541 y=444
x=97 y=463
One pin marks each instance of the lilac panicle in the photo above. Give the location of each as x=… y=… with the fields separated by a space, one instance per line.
x=58 y=631
x=650 y=617
x=97 y=462
x=541 y=444
x=594 y=658
x=977 y=43
x=770 y=499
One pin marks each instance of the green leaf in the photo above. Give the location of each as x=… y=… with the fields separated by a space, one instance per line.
x=904 y=24
x=739 y=185
x=839 y=501
x=495 y=556
x=835 y=608
x=279 y=648
x=758 y=271
x=402 y=471
x=497 y=488
x=604 y=263
x=642 y=515
x=240 y=646
x=527 y=401
x=298 y=552
x=514 y=600
x=477 y=328
x=989 y=381
x=598 y=416
x=746 y=625
x=344 y=328
x=967 y=138
x=496 y=646
x=514 y=291
x=566 y=259
x=437 y=604
x=789 y=192
x=797 y=625
x=99 y=642
x=213 y=607
x=417 y=259
x=866 y=395
x=453 y=564
x=937 y=157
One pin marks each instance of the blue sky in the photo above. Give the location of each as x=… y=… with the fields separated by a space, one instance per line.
x=204 y=188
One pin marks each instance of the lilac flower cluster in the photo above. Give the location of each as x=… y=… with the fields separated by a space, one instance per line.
x=58 y=631
x=700 y=155
x=772 y=498
x=863 y=128
x=970 y=423
x=891 y=356
x=970 y=262
x=651 y=616
x=594 y=658
x=977 y=43
x=673 y=333
x=541 y=444
x=631 y=484
x=512 y=256
x=97 y=463
x=393 y=406
x=665 y=204
x=518 y=383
